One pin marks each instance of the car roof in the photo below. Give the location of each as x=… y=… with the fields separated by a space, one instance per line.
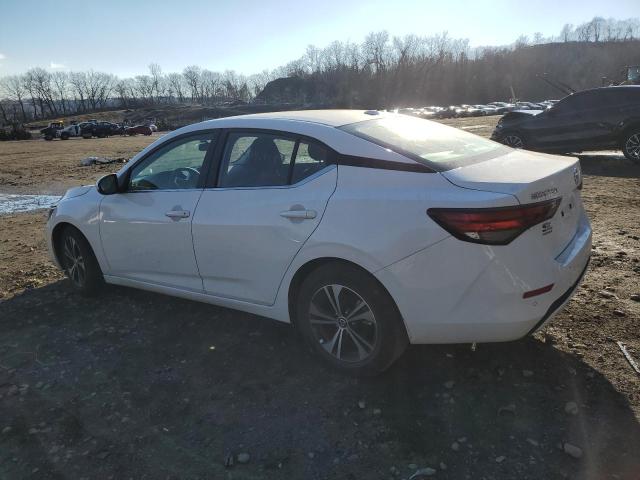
x=332 y=118
x=612 y=88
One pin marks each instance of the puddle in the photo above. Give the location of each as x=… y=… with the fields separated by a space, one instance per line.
x=15 y=203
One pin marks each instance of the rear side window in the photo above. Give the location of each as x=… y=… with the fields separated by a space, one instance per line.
x=311 y=157
x=438 y=146
x=254 y=159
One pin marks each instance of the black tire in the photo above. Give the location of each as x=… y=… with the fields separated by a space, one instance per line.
x=357 y=351
x=514 y=140
x=48 y=138
x=64 y=136
x=631 y=145
x=74 y=249
x=86 y=136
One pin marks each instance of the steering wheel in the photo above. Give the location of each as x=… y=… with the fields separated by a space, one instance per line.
x=184 y=177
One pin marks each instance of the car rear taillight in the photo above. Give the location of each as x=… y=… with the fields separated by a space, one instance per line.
x=493 y=226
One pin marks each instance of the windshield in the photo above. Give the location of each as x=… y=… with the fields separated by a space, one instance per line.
x=433 y=144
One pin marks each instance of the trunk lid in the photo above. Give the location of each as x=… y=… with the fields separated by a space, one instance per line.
x=531 y=178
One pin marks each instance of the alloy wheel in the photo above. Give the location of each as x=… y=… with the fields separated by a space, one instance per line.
x=513 y=141
x=343 y=323
x=632 y=146
x=74 y=261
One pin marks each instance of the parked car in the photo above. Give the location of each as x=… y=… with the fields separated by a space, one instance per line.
x=597 y=119
x=447 y=112
x=503 y=107
x=473 y=111
x=99 y=129
x=367 y=231
x=74 y=130
x=461 y=111
x=138 y=130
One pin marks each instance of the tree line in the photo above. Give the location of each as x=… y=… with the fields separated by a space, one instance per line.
x=381 y=71
x=39 y=93
x=386 y=72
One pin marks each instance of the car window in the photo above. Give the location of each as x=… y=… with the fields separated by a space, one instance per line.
x=256 y=160
x=431 y=143
x=581 y=101
x=311 y=157
x=175 y=166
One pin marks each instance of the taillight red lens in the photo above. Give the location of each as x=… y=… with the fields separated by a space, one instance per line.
x=493 y=226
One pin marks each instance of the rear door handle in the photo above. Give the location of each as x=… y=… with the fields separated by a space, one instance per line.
x=299 y=214
x=178 y=213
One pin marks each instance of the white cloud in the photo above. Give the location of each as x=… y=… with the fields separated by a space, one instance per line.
x=56 y=66
x=2 y=56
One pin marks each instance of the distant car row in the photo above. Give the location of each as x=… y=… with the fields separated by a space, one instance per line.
x=459 y=111
x=93 y=128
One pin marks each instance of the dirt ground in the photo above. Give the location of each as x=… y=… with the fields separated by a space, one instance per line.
x=138 y=385
x=37 y=166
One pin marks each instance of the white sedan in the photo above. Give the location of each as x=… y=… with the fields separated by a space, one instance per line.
x=366 y=230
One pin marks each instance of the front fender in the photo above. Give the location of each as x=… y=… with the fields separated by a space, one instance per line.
x=82 y=212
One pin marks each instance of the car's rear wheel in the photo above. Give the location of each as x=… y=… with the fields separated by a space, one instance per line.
x=513 y=140
x=631 y=145
x=349 y=320
x=79 y=262
x=64 y=136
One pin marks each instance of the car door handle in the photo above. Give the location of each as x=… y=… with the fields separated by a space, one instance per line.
x=178 y=214
x=299 y=214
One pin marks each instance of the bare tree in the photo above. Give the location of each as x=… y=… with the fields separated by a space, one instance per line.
x=60 y=81
x=191 y=75
x=13 y=88
x=176 y=83
x=567 y=32
x=156 y=75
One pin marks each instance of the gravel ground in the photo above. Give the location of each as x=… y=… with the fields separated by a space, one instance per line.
x=139 y=385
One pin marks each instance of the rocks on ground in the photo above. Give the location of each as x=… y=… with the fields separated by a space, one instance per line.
x=572 y=450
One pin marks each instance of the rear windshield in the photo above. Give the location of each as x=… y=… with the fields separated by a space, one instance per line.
x=430 y=143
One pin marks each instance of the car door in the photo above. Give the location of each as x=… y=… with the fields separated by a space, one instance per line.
x=576 y=123
x=270 y=194
x=146 y=229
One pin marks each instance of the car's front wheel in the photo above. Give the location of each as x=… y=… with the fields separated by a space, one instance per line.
x=79 y=262
x=350 y=320
x=513 y=140
x=631 y=145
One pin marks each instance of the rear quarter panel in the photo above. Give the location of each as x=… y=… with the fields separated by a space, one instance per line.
x=378 y=217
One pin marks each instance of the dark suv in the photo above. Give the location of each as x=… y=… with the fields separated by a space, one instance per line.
x=598 y=119
x=99 y=129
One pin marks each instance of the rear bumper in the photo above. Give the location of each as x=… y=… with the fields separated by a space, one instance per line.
x=458 y=292
x=559 y=303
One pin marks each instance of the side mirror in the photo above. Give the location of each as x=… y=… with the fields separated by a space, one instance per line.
x=108 y=185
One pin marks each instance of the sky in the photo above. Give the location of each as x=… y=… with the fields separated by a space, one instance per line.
x=124 y=36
